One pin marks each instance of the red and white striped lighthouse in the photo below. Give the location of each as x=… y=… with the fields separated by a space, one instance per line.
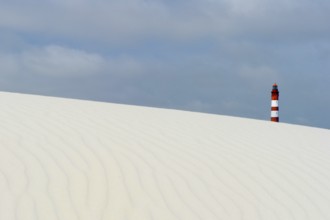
x=274 y=111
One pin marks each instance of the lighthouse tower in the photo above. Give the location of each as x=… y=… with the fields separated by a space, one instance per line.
x=275 y=108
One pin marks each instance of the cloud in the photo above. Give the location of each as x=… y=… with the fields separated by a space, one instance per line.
x=135 y=20
x=60 y=61
x=258 y=74
x=127 y=66
x=53 y=61
x=198 y=105
x=8 y=64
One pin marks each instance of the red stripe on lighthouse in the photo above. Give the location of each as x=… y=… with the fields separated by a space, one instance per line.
x=274 y=104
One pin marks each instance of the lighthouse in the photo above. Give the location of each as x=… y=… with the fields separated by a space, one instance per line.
x=274 y=105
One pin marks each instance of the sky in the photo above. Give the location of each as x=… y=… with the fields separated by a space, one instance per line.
x=213 y=56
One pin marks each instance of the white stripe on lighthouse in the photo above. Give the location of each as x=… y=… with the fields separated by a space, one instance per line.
x=274 y=114
x=274 y=103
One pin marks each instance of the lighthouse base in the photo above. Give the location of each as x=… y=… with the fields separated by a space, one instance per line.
x=274 y=119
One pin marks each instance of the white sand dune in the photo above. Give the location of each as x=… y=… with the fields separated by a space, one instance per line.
x=63 y=159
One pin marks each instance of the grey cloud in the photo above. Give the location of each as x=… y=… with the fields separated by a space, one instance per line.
x=258 y=75
x=127 y=66
x=51 y=60
x=121 y=20
x=60 y=61
x=8 y=64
